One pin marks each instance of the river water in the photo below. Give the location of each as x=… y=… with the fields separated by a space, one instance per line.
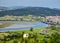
x=24 y=26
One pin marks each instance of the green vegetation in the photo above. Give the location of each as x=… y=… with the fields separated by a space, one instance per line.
x=41 y=35
x=33 y=11
x=22 y=18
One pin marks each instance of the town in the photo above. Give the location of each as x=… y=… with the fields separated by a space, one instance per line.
x=50 y=19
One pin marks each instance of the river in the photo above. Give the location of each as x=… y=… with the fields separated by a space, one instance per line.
x=24 y=26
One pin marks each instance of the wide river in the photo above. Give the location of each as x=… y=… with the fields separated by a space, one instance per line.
x=24 y=26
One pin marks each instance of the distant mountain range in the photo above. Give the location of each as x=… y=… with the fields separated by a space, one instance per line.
x=3 y=8
x=20 y=11
x=10 y=8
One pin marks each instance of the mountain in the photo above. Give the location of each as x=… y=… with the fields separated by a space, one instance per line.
x=3 y=8
x=31 y=10
x=15 y=7
x=10 y=8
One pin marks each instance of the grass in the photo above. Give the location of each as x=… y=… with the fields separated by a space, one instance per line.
x=40 y=37
x=25 y=31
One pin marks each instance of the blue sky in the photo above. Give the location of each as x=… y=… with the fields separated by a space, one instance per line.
x=37 y=3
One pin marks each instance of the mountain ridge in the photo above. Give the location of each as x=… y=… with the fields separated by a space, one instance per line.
x=33 y=11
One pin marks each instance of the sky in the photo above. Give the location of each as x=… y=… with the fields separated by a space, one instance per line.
x=33 y=3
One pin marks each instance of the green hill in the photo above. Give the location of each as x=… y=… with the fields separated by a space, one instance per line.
x=31 y=10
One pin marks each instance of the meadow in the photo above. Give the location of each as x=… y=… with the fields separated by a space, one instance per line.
x=39 y=35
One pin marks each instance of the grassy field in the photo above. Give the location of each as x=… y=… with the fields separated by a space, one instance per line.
x=36 y=36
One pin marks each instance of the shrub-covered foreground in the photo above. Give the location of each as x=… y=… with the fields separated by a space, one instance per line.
x=42 y=35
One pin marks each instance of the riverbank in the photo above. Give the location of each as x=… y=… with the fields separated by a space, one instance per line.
x=5 y=24
x=23 y=26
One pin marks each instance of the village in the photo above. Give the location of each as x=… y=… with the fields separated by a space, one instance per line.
x=51 y=19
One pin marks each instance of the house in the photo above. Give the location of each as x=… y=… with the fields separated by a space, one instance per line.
x=26 y=35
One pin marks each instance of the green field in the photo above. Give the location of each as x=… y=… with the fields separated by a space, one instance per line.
x=40 y=35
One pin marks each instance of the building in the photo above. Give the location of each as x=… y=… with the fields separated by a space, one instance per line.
x=53 y=18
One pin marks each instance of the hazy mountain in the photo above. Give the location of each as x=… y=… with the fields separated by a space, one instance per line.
x=32 y=10
x=3 y=8
x=10 y=8
x=15 y=7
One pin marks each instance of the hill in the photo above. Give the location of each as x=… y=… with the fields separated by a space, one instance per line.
x=31 y=10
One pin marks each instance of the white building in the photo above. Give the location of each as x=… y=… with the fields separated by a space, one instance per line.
x=26 y=35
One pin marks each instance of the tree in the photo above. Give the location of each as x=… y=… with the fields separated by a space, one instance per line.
x=22 y=37
x=35 y=36
x=55 y=38
x=53 y=27
x=15 y=41
x=4 y=39
x=26 y=41
x=31 y=29
x=45 y=41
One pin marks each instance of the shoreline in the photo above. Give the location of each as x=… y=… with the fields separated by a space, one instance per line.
x=23 y=26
